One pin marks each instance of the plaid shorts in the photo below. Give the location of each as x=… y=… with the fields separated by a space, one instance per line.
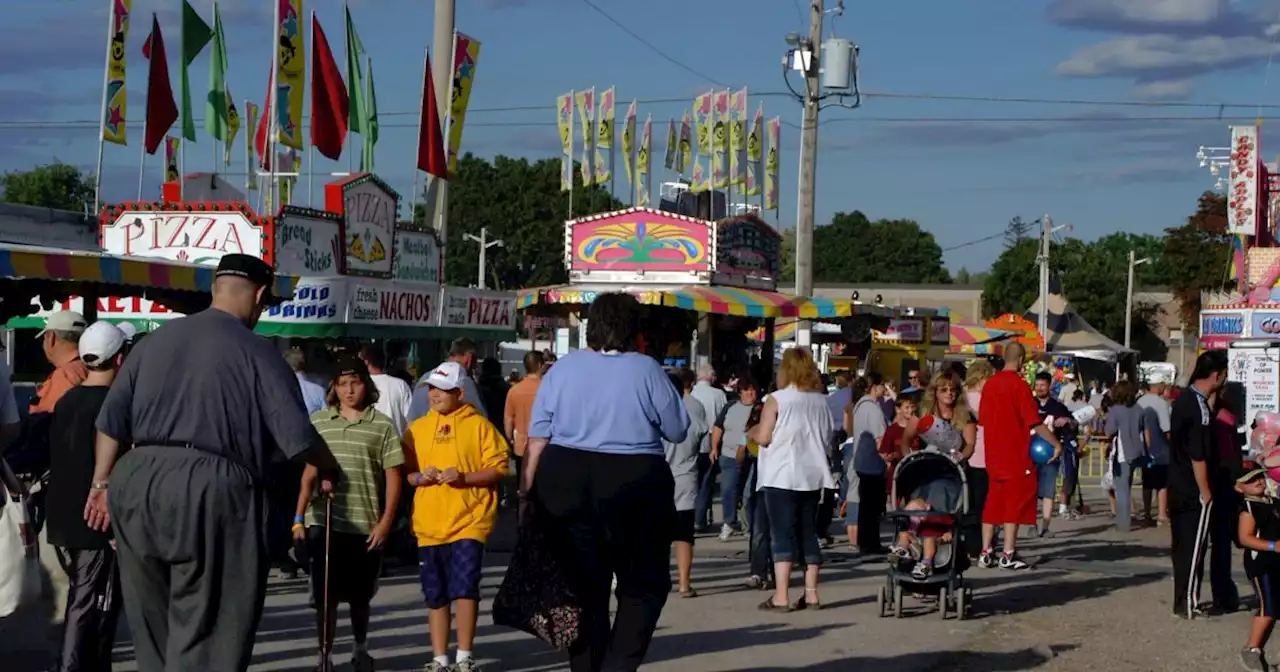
x=450 y=572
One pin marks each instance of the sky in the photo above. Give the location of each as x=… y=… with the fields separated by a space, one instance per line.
x=943 y=135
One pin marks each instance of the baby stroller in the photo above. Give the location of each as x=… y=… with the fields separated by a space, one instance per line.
x=940 y=481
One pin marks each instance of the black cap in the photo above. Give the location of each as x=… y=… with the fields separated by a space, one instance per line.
x=350 y=365
x=248 y=267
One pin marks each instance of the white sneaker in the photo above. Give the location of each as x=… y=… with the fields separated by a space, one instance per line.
x=725 y=532
x=1062 y=510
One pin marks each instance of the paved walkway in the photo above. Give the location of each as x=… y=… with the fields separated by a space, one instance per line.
x=1096 y=598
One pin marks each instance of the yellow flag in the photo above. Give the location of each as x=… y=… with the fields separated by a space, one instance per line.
x=720 y=140
x=586 y=101
x=115 y=98
x=564 y=120
x=466 y=51
x=250 y=132
x=629 y=143
x=604 y=137
x=292 y=87
x=738 y=137
x=771 y=165
x=642 y=163
x=233 y=128
x=755 y=154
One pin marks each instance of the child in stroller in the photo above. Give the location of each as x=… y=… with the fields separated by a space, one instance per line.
x=930 y=524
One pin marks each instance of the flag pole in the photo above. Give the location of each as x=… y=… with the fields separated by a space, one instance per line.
x=142 y=162
x=269 y=147
x=351 y=156
x=102 y=113
x=215 y=143
x=311 y=171
x=417 y=170
x=248 y=150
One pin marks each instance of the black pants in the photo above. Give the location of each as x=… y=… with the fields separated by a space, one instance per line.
x=979 y=483
x=1189 y=528
x=282 y=502
x=617 y=511
x=826 y=513
x=93 y=609
x=193 y=558
x=871 y=501
x=759 y=546
x=1223 y=522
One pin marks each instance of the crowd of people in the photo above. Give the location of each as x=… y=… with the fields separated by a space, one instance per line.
x=176 y=462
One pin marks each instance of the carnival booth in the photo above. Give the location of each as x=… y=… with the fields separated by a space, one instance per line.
x=706 y=285
x=908 y=343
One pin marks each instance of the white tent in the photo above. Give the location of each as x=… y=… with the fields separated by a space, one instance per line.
x=1069 y=334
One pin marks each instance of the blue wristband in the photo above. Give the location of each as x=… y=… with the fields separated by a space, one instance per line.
x=299 y=519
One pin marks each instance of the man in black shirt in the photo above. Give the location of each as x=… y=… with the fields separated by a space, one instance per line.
x=93 y=604
x=1192 y=464
x=205 y=403
x=1064 y=428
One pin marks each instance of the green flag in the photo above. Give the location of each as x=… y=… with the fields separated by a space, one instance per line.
x=371 y=132
x=195 y=35
x=217 y=117
x=357 y=119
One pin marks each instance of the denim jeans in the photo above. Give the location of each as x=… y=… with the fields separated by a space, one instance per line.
x=758 y=550
x=702 y=504
x=793 y=518
x=729 y=489
x=1124 y=495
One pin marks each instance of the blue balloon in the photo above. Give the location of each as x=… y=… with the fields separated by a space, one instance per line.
x=1041 y=450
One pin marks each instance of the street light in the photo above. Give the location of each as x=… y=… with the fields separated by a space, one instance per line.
x=1215 y=159
x=485 y=244
x=1128 y=299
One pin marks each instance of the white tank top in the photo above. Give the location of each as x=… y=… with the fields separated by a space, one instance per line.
x=796 y=459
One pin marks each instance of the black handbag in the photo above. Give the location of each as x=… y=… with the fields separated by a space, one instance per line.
x=537 y=595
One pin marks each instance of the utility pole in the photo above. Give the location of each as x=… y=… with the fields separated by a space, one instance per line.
x=1046 y=234
x=1128 y=296
x=808 y=169
x=442 y=74
x=485 y=244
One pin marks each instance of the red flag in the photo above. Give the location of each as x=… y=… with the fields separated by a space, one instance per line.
x=162 y=111
x=328 y=97
x=430 y=139
x=264 y=128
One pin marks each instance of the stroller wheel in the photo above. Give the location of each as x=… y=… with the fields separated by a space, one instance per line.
x=962 y=603
x=942 y=602
x=881 y=597
x=897 y=600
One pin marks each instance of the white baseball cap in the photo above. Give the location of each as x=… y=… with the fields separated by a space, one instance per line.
x=446 y=376
x=100 y=342
x=130 y=331
x=64 y=320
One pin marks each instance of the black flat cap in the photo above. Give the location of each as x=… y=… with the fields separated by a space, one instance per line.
x=350 y=365
x=248 y=267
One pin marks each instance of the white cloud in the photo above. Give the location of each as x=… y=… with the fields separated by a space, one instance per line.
x=1160 y=14
x=1167 y=89
x=1165 y=56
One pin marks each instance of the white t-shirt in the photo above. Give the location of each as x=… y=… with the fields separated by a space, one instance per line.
x=796 y=459
x=393 y=400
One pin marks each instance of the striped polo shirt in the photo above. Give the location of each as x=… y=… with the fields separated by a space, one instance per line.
x=363 y=448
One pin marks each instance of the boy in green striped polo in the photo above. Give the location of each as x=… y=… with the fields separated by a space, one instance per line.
x=364 y=503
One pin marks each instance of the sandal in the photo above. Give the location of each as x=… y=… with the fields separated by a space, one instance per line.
x=768 y=605
x=688 y=593
x=803 y=604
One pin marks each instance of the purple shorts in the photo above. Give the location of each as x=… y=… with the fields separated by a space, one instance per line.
x=450 y=572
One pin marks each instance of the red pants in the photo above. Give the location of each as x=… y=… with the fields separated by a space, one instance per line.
x=1011 y=500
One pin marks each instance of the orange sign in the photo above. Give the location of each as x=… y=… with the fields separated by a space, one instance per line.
x=1027 y=332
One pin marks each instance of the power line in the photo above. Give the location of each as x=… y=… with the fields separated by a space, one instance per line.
x=667 y=57
x=1065 y=120
x=974 y=242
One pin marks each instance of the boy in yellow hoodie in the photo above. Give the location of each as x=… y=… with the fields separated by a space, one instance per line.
x=454 y=458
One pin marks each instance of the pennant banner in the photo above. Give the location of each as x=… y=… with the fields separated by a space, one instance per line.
x=171 y=145
x=116 y=108
x=586 y=101
x=755 y=154
x=685 y=148
x=629 y=144
x=771 y=164
x=564 y=120
x=292 y=84
x=720 y=140
x=250 y=131
x=738 y=137
x=465 y=52
x=604 y=137
x=669 y=151
x=642 y=164
x=702 y=125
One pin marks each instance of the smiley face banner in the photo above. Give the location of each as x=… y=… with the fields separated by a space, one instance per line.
x=755 y=154
x=115 y=105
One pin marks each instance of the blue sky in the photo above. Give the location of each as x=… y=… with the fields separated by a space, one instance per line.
x=1092 y=166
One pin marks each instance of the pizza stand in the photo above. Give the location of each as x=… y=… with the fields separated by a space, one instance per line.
x=702 y=283
x=360 y=273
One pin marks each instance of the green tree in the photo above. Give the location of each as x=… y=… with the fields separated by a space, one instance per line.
x=853 y=249
x=520 y=203
x=1198 y=254
x=56 y=185
x=963 y=277
x=1016 y=231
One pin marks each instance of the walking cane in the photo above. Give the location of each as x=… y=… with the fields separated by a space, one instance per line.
x=324 y=605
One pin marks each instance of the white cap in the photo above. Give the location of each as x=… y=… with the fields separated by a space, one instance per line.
x=100 y=342
x=1157 y=378
x=64 y=320
x=130 y=331
x=446 y=376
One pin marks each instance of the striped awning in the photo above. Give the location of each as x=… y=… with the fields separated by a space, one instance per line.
x=969 y=334
x=716 y=300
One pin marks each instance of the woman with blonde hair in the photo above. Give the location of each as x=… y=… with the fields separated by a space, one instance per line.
x=975 y=377
x=792 y=471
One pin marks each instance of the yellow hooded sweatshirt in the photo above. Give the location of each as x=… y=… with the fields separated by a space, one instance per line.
x=468 y=442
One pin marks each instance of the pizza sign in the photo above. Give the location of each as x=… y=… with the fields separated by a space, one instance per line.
x=192 y=237
x=369 y=210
